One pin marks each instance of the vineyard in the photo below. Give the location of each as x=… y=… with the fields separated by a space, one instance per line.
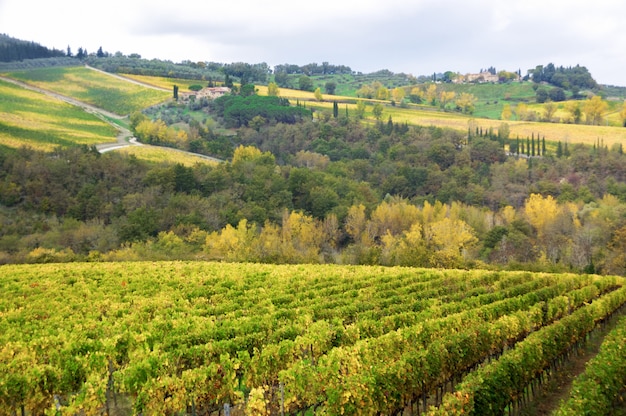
x=101 y=90
x=28 y=118
x=175 y=338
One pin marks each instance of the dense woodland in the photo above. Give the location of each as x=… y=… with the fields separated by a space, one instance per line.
x=324 y=190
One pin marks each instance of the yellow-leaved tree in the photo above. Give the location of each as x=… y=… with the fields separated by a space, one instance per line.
x=231 y=244
x=594 y=108
x=273 y=90
x=302 y=237
x=540 y=212
x=398 y=94
x=393 y=217
x=410 y=250
x=449 y=239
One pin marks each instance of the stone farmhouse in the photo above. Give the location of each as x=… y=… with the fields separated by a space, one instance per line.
x=481 y=77
x=208 y=92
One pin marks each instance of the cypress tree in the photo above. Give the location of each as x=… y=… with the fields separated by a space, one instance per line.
x=335 y=109
x=543 y=146
x=533 y=145
x=559 y=150
x=176 y=92
x=527 y=146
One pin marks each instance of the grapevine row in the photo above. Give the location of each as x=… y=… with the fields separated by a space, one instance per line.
x=597 y=390
x=490 y=389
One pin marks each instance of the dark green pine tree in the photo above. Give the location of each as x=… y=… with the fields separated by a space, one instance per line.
x=517 y=146
x=176 y=92
x=335 y=109
x=543 y=146
x=559 y=150
x=533 y=146
x=565 y=150
x=527 y=146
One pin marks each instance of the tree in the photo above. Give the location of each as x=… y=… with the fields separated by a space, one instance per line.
x=360 y=108
x=445 y=97
x=450 y=238
x=305 y=83
x=549 y=109
x=377 y=111
x=100 y=53
x=466 y=102
x=416 y=95
x=522 y=111
x=540 y=212
x=318 y=94
x=335 y=109
x=247 y=90
x=398 y=94
x=573 y=108
x=176 y=92
x=382 y=93
x=330 y=87
x=541 y=95
x=506 y=112
x=557 y=94
x=622 y=114
x=272 y=89
x=594 y=110
x=431 y=94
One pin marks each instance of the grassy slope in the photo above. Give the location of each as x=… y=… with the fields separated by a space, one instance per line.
x=119 y=96
x=95 y=88
x=36 y=120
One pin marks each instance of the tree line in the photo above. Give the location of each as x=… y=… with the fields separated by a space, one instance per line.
x=76 y=204
x=12 y=49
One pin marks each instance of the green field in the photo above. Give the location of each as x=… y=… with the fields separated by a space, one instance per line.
x=169 y=337
x=166 y=83
x=101 y=90
x=32 y=119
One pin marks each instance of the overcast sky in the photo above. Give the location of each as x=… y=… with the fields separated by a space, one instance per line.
x=412 y=36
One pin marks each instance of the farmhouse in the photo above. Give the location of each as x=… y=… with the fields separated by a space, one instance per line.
x=208 y=92
x=479 y=78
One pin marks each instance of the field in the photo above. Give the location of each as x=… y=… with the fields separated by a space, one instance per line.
x=553 y=132
x=93 y=87
x=428 y=116
x=194 y=337
x=32 y=119
x=166 y=83
x=157 y=154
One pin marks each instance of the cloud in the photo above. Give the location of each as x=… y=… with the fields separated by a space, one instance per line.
x=413 y=36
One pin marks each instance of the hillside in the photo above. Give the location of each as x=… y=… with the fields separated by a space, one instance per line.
x=321 y=160
x=370 y=244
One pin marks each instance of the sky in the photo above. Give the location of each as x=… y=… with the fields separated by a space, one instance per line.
x=417 y=37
